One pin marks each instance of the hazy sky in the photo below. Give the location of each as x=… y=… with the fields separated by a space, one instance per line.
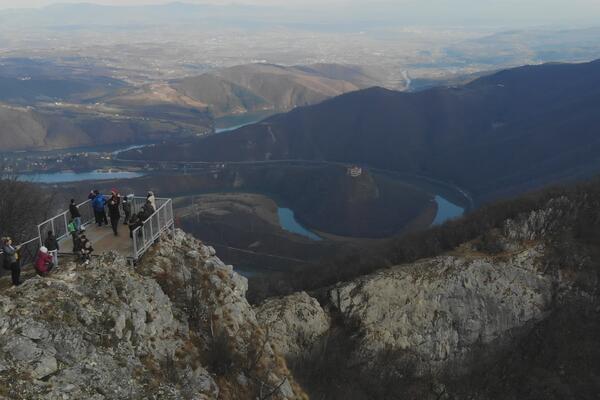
x=39 y=3
x=501 y=11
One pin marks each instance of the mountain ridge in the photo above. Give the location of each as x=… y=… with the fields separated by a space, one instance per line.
x=500 y=124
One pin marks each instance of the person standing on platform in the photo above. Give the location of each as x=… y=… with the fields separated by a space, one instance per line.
x=75 y=214
x=115 y=215
x=126 y=205
x=150 y=197
x=11 y=258
x=98 y=204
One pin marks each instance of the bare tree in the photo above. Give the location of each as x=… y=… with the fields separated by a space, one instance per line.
x=23 y=205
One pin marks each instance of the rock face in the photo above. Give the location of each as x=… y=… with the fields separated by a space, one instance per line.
x=294 y=323
x=439 y=310
x=175 y=327
x=443 y=315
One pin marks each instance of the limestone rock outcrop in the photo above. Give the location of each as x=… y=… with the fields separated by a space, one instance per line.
x=294 y=323
x=159 y=330
x=439 y=310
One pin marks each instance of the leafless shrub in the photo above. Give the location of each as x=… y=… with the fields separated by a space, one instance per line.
x=22 y=206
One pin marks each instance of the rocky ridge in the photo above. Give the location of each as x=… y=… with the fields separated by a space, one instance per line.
x=177 y=326
x=445 y=317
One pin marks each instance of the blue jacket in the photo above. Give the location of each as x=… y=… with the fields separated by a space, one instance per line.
x=99 y=203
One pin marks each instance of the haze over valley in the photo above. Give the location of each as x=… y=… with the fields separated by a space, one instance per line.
x=409 y=105
x=334 y=200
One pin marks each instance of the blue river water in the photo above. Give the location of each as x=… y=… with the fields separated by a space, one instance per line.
x=446 y=211
x=70 y=176
x=288 y=221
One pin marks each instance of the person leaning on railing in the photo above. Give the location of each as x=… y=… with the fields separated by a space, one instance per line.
x=75 y=214
x=11 y=260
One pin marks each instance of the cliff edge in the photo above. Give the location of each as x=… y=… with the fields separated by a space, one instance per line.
x=176 y=326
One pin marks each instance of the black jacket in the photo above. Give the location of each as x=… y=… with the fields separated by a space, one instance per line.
x=113 y=209
x=74 y=211
x=51 y=243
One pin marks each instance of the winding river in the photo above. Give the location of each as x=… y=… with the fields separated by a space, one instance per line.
x=446 y=211
x=287 y=221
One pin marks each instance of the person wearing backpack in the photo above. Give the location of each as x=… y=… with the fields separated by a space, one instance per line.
x=75 y=214
x=11 y=257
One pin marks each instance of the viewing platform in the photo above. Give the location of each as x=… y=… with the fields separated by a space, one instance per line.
x=102 y=238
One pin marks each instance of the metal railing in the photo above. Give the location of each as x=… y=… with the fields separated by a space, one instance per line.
x=143 y=237
x=152 y=228
x=27 y=252
x=58 y=224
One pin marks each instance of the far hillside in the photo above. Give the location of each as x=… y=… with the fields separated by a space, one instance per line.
x=254 y=88
x=46 y=105
x=496 y=136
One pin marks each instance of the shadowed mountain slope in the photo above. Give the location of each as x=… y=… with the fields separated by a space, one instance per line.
x=501 y=134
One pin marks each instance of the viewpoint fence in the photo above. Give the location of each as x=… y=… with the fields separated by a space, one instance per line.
x=158 y=223
x=143 y=237
x=58 y=224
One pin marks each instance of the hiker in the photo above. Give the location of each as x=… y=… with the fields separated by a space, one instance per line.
x=114 y=214
x=151 y=199
x=75 y=214
x=98 y=204
x=74 y=232
x=126 y=205
x=11 y=259
x=114 y=195
x=52 y=245
x=86 y=249
x=43 y=262
x=147 y=210
x=77 y=240
x=134 y=223
x=92 y=194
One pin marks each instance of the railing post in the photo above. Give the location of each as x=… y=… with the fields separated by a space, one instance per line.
x=135 y=254
x=40 y=235
x=143 y=235
x=66 y=226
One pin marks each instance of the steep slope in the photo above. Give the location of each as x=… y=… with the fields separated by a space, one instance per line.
x=26 y=81
x=39 y=128
x=44 y=105
x=258 y=87
x=516 y=320
x=177 y=326
x=20 y=128
x=498 y=135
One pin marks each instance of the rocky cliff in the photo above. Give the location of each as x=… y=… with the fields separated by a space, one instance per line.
x=177 y=326
x=466 y=324
x=510 y=315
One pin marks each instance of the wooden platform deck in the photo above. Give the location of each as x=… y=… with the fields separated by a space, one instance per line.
x=103 y=240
